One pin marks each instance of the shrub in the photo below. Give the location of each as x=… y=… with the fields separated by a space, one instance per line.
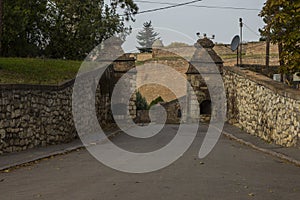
x=156 y=101
x=141 y=103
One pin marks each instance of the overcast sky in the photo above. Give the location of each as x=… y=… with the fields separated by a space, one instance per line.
x=182 y=23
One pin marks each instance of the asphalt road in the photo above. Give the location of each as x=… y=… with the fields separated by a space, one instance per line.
x=230 y=171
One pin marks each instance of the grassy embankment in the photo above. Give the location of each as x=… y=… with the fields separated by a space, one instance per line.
x=37 y=71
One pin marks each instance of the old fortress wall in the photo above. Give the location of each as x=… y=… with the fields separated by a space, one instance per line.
x=40 y=115
x=262 y=107
x=37 y=115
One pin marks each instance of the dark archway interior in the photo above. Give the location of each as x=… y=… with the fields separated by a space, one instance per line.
x=205 y=107
x=179 y=113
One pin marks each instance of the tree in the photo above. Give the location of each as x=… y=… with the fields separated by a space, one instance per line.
x=22 y=33
x=1 y=24
x=146 y=37
x=61 y=28
x=282 y=18
x=79 y=26
x=141 y=103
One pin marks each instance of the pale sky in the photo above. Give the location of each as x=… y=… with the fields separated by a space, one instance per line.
x=182 y=23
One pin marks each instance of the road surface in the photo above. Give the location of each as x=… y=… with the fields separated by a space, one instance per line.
x=230 y=171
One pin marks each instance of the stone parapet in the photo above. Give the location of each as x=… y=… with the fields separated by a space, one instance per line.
x=262 y=107
x=40 y=115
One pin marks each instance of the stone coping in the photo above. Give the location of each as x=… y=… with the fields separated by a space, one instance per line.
x=277 y=87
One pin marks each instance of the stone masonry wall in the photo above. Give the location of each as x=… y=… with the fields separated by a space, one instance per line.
x=152 y=91
x=34 y=115
x=262 y=107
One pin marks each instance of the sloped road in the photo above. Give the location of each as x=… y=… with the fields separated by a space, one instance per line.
x=231 y=171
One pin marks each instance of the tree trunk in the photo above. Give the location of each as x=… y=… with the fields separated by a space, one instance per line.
x=1 y=25
x=281 y=61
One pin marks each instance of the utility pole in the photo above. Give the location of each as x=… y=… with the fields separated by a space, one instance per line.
x=268 y=40
x=241 y=44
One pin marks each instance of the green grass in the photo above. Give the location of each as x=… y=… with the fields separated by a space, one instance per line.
x=37 y=71
x=228 y=56
x=138 y=63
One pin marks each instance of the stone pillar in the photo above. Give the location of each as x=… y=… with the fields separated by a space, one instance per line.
x=204 y=61
x=124 y=67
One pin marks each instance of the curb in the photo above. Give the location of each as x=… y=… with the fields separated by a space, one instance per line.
x=266 y=151
x=113 y=134
x=54 y=153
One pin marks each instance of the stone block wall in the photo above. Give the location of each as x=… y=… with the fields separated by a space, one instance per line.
x=152 y=69
x=40 y=115
x=143 y=56
x=262 y=107
x=142 y=116
x=35 y=115
x=174 y=111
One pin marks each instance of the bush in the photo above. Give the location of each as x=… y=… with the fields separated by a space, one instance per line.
x=141 y=103
x=156 y=101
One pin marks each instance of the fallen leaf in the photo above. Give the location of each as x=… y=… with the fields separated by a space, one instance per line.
x=251 y=194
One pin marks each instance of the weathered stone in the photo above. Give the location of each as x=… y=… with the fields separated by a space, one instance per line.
x=31 y=116
x=262 y=108
x=2 y=133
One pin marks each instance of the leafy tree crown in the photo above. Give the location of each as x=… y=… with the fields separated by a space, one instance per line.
x=282 y=19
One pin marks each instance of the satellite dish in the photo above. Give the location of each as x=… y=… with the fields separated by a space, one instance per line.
x=235 y=43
